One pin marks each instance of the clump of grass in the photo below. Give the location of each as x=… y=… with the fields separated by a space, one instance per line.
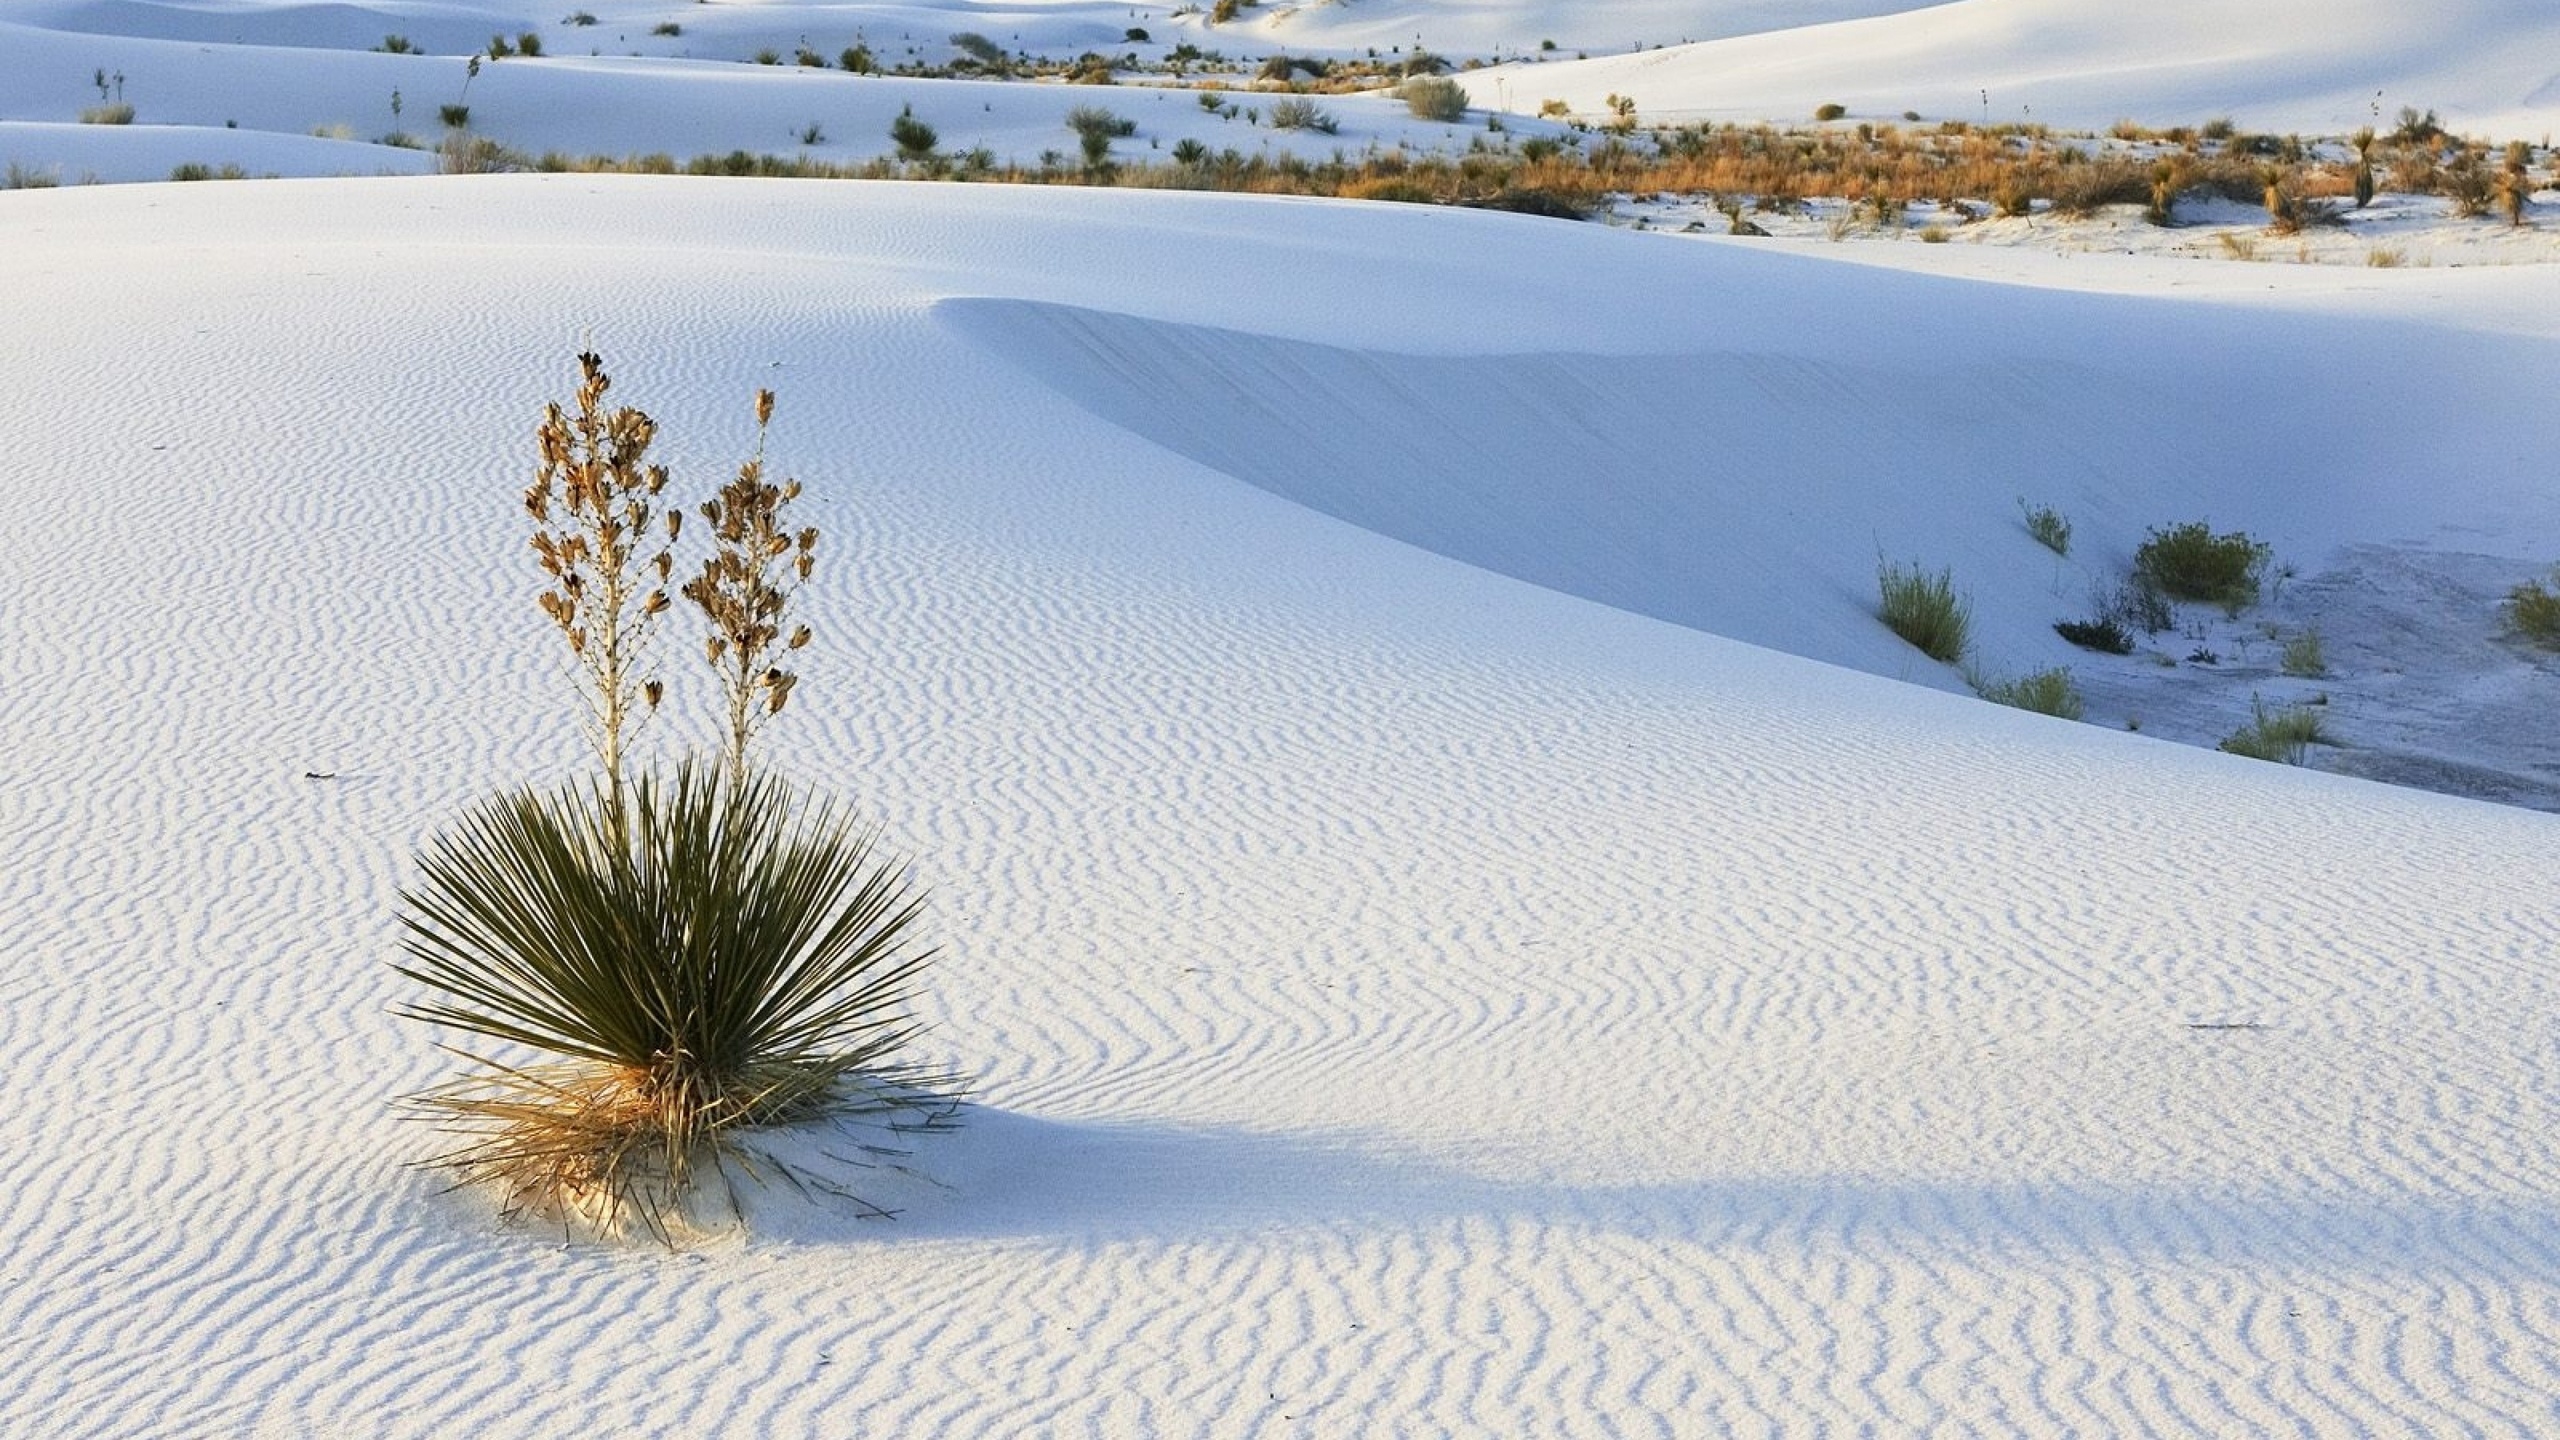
x=2191 y=562
x=2283 y=734
x=1296 y=112
x=2046 y=692
x=2048 y=525
x=1430 y=97
x=2532 y=611
x=2304 y=656
x=1925 y=610
x=914 y=138
x=116 y=114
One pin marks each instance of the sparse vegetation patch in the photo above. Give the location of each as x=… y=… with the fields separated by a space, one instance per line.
x=1924 y=609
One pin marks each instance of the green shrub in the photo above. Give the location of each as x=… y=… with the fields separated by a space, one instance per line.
x=668 y=28
x=2046 y=692
x=2105 y=633
x=1829 y=112
x=1433 y=98
x=1298 y=113
x=2283 y=734
x=2191 y=562
x=2047 y=524
x=1925 y=610
x=529 y=43
x=914 y=138
x=2532 y=610
x=2304 y=656
x=394 y=45
x=455 y=117
x=1095 y=120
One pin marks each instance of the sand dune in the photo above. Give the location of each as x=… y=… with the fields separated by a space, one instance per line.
x=1404 y=999
x=1459 y=918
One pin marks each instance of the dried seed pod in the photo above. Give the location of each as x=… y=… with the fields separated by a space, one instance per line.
x=800 y=637
x=654 y=691
x=764 y=407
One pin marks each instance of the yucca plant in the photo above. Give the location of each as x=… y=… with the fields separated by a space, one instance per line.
x=690 y=956
x=738 y=954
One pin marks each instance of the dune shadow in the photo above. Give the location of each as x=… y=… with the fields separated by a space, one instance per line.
x=1009 y=1176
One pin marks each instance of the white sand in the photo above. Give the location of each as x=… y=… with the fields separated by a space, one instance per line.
x=1403 y=999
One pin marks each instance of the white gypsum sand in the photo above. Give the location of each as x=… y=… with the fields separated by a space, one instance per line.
x=1458 y=918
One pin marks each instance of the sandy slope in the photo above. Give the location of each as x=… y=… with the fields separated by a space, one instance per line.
x=2318 y=66
x=1406 y=1000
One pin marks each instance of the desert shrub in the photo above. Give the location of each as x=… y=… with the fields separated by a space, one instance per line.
x=1924 y=609
x=1190 y=152
x=462 y=153
x=914 y=138
x=696 y=958
x=2304 y=656
x=1299 y=113
x=2104 y=633
x=2083 y=189
x=857 y=60
x=1095 y=120
x=455 y=117
x=394 y=45
x=2047 y=525
x=500 y=47
x=1829 y=112
x=2191 y=562
x=20 y=177
x=116 y=114
x=813 y=133
x=667 y=28
x=1430 y=97
x=2282 y=734
x=1224 y=11
x=979 y=48
x=2046 y=692
x=2532 y=611
x=808 y=59
x=529 y=43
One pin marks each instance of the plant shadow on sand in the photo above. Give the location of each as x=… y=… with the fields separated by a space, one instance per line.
x=1007 y=1176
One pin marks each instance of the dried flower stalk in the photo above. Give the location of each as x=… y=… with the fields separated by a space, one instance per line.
x=595 y=516
x=757 y=565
